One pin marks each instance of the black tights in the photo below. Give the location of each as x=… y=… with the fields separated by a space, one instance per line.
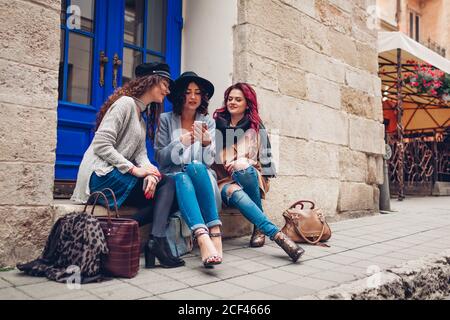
x=156 y=210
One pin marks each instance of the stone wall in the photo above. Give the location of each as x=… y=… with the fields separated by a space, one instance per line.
x=314 y=66
x=29 y=58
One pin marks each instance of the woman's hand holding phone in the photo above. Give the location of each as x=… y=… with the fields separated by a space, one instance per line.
x=201 y=133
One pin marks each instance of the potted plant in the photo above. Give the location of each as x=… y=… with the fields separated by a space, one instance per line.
x=426 y=79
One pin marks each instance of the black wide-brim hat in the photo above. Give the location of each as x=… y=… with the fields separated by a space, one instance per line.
x=154 y=68
x=183 y=81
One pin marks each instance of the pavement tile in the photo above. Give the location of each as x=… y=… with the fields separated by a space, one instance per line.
x=224 y=271
x=17 y=278
x=45 y=289
x=333 y=249
x=224 y=289
x=74 y=295
x=187 y=294
x=226 y=246
x=252 y=282
x=273 y=261
x=300 y=270
x=238 y=242
x=357 y=271
x=4 y=284
x=256 y=295
x=287 y=291
x=160 y=287
x=143 y=277
x=249 y=266
x=321 y=264
x=102 y=284
x=184 y=274
x=123 y=291
x=313 y=253
x=13 y=294
x=246 y=253
x=313 y=283
x=268 y=250
x=334 y=276
x=388 y=260
x=357 y=254
x=231 y=258
x=374 y=250
x=398 y=244
x=200 y=279
x=339 y=259
x=277 y=275
x=368 y=264
x=151 y=298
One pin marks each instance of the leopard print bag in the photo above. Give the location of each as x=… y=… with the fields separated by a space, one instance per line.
x=76 y=244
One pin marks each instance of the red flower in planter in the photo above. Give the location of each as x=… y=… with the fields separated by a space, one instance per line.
x=427 y=80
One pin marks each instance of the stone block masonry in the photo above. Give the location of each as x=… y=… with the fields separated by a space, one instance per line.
x=314 y=66
x=29 y=61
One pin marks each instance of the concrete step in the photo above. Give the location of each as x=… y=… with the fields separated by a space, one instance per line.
x=441 y=188
x=234 y=223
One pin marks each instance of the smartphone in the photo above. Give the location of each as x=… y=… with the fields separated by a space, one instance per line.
x=200 y=124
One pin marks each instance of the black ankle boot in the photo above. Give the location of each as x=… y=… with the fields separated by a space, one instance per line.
x=159 y=248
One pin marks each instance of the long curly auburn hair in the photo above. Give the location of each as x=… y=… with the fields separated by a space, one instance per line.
x=136 y=88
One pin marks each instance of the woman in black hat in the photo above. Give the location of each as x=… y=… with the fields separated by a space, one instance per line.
x=185 y=148
x=117 y=158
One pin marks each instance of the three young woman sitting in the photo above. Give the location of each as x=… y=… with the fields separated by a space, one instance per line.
x=197 y=171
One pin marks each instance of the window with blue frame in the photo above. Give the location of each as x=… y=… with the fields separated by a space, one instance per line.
x=102 y=41
x=144 y=34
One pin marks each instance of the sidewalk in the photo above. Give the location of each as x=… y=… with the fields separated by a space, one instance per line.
x=359 y=247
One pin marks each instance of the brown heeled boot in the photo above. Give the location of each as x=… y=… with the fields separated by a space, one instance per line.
x=258 y=238
x=293 y=250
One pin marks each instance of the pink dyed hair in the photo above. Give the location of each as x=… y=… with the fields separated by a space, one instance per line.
x=252 y=104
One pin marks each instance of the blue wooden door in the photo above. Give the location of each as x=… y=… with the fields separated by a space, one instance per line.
x=102 y=41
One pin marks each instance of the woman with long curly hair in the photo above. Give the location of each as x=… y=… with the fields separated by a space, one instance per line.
x=117 y=158
x=185 y=149
x=244 y=164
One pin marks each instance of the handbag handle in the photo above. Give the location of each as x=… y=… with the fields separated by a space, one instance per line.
x=301 y=203
x=97 y=194
x=297 y=229
x=116 y=209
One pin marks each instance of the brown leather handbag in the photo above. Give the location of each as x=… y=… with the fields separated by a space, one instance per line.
x=122 y=238
x=306 y=226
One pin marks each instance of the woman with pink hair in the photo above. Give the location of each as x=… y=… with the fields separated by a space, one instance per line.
x=244 y=165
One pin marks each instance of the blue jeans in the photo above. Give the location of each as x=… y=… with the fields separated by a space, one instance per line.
x=195 y=196
x=248 y=200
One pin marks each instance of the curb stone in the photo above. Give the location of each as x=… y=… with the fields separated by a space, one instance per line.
x=427 y=278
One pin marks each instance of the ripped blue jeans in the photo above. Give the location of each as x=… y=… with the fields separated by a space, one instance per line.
x=195 y=196
x=248 y=200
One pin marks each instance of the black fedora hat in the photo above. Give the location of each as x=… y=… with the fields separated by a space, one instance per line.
x=153 y=68
x=183 y=81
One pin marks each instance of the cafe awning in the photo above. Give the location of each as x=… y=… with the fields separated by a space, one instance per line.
x=420 y=112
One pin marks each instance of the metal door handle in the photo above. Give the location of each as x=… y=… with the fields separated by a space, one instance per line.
x=116 y=64
x=103 y=61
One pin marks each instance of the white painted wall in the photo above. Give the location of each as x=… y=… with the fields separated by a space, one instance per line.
x=207 y=42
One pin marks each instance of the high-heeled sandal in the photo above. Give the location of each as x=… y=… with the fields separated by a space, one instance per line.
x=211 y=260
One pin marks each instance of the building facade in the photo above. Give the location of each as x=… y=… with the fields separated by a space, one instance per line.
x=426 y=21
x=313 y=64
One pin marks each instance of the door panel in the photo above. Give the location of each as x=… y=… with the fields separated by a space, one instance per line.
x=133 y=31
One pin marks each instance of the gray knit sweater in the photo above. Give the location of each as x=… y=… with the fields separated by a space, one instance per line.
x=118 y=143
